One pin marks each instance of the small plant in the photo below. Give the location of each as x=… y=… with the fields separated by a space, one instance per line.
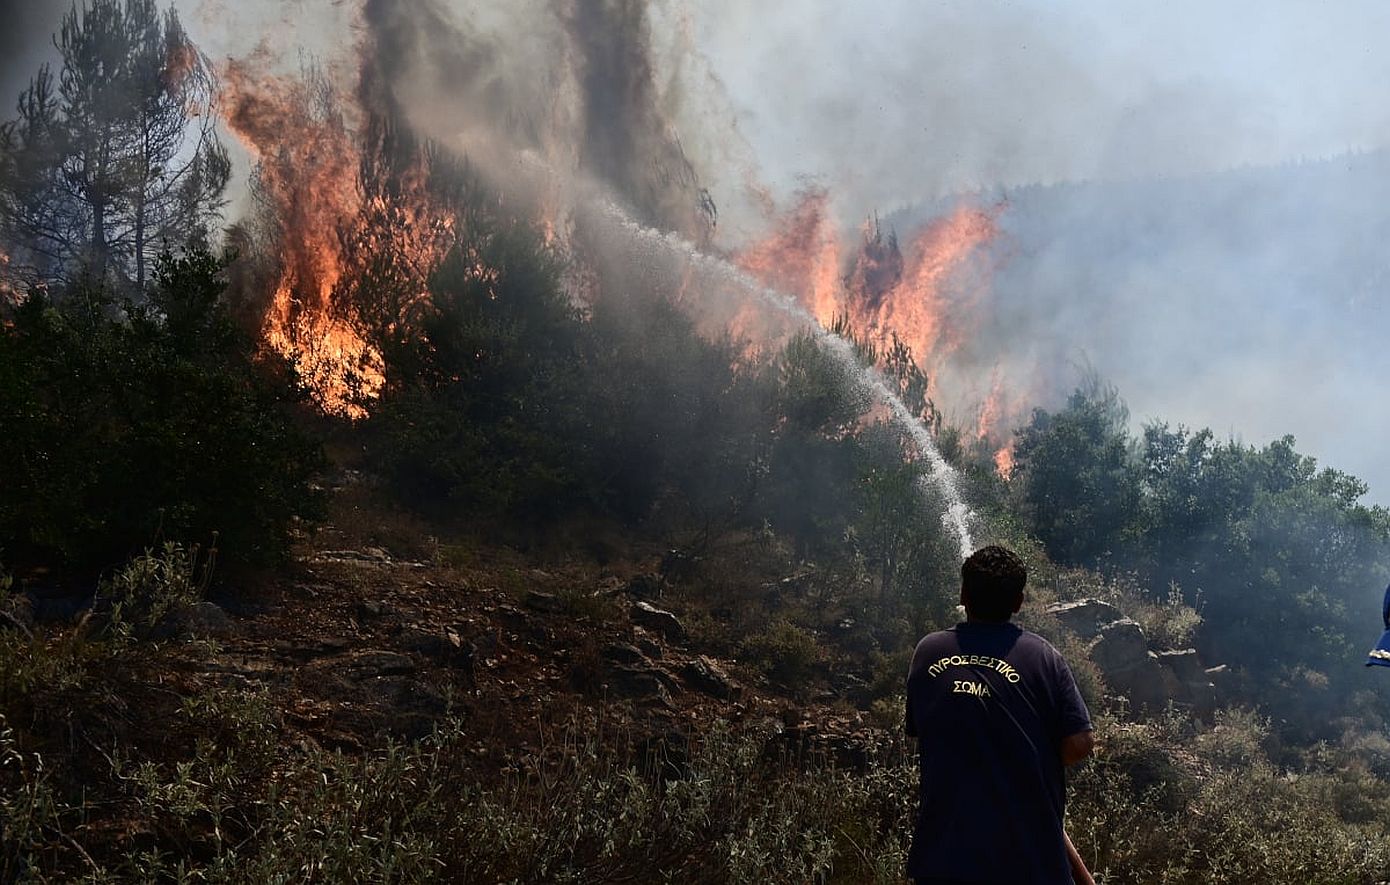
x=783 y=651
x=30 y=812
x=143 y=594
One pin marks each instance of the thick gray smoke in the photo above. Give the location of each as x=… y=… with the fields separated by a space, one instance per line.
x=569 y=86
x=1196 y=192
x=1194 y=262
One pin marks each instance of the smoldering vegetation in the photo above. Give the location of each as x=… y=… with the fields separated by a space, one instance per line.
x=1249 y=300
x=427 y=345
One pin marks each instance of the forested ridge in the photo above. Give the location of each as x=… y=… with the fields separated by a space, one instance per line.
x=577 y=591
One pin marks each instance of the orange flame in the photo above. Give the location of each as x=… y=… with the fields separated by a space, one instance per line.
x=327 y=231
x=802 y=257
x=1004 y=461
x=307 y=166
x=996 y=415
x=993 y=408
x=912 y=295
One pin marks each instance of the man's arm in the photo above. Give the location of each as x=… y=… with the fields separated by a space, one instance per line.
x=1076 y=747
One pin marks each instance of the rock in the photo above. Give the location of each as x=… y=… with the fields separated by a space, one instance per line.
x=368 y=609
x=208 y=619
x=196 y=621
x=1188 y=682
x=1122 y=653
x=427 y=644
x=365 y=556
x=1223 y=683
x=645 y=586
x=639 y=683
x=1084 y=617
x=622 y=653
x=1121 y=646
x=543 y=602
x=374 y=663
x=704 y=675
x=649 y=646
x=660 y=620
x=1185 y=665
x=1203 y=699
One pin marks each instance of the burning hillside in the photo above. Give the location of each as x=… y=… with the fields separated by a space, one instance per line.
x=928 y=295
x=325 y=215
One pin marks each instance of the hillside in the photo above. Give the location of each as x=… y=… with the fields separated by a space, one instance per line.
x=1249 y=301
x=396 y=707
x=462 y=513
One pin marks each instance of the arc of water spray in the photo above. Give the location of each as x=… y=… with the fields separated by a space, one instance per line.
x=957 y=516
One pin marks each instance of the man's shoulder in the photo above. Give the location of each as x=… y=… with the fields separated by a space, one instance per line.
x=938 y=639
x=936 y=642
x=1040 y=644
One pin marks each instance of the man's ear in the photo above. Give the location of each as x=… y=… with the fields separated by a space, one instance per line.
x=1018 y=603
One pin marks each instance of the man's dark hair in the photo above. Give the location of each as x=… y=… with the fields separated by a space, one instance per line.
x=991 y=582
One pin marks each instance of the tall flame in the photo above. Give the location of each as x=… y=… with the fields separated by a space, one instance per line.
x=307 y=164
x=916 y=295
x=336 y=208
x=802 y=257
x=927 y=294
x=994 y=414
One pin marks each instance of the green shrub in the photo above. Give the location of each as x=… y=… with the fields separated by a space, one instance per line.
x=783 y=651
x=31 y=813
x=140 y=595
x=143 y=422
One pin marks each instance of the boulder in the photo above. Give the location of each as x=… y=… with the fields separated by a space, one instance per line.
x=1085 y=617
x=544 y=602
x=1122 y=654
x=623 y=653
x=638 y=683
x=1121 y=646
x=660 y=620
x=1185 y=665
x=704 y=675
x=1190 y=684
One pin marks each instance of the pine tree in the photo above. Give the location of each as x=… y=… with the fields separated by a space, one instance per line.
x=120 y=160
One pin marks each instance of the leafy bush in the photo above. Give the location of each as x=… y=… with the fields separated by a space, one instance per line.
x=783 y=651
x=1279 y=558
x=139 y=596
x=1157 y=806
x=124 y=426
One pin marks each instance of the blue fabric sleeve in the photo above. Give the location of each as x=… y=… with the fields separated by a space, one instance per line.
x=1072 y=715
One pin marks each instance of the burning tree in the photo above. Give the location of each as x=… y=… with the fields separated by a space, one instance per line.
x=103 y=169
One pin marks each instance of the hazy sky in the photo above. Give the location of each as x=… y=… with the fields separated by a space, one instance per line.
x=968 y=93
x=903 y=99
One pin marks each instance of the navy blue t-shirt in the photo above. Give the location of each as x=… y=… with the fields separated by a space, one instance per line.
x=989 y=705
